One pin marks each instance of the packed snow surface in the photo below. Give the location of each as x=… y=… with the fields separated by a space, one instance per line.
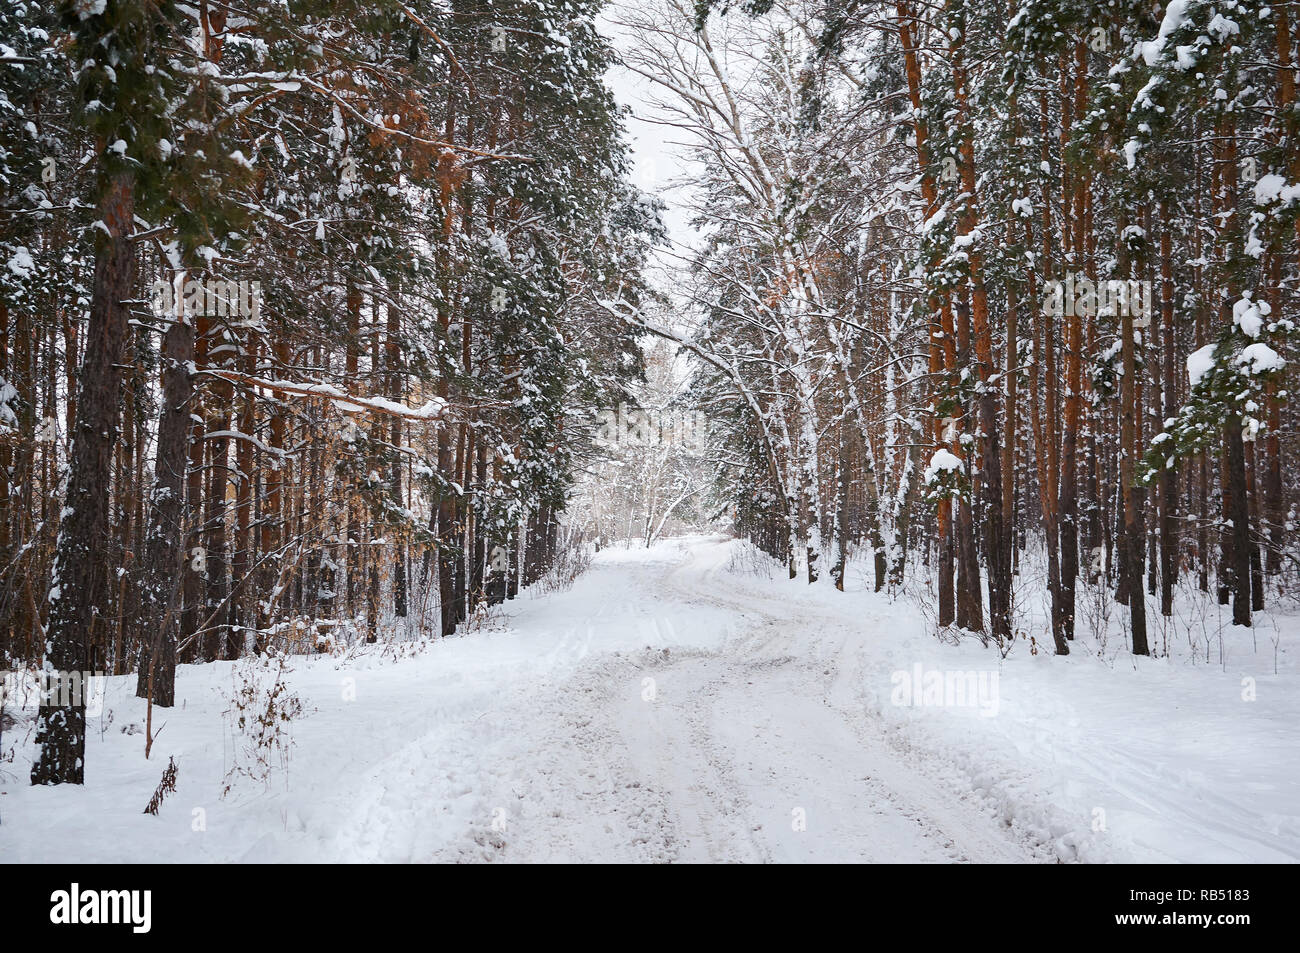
x=684 y=703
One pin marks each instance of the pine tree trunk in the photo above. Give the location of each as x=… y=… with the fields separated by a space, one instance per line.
x=1133 y=522
x=79 y=570
x=164 y=559
x=1168 y=486
x=1236 y=534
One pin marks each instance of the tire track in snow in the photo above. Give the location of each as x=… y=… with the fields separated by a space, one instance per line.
x=736 y=741
x=735 y=745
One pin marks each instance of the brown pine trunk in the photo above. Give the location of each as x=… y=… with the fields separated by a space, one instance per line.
x=1252 y=495
x=1044 y=417
x=351 y=366
x=996 y=553
x=275 y=505
x=6 y=510
x=841 y=507
x=393 y=358
x=164 y=560
x=1235 y=564
x=218 y=642
x=1168 y=485
x=942 y=340
x=192 y=579
x=1133 y=520
x=1011 y=374
x=242 y=563
x=1236 y=534
x=1274 y=511
x=1074 y=187
x=79 y=568
x=970 y=601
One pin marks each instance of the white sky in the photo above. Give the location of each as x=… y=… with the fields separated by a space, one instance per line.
x=659 y=164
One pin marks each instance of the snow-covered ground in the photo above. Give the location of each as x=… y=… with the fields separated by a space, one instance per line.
x=675 y=705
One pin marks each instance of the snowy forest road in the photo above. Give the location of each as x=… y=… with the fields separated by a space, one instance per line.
x=746 y=745
x=683 y=703
x=670 y=706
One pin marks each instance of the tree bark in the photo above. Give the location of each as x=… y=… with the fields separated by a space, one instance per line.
x=163 y=560
x=78 y=574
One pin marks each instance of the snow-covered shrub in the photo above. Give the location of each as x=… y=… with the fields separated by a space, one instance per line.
x=260 y=719
x=748 y=560
x=569 y=563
